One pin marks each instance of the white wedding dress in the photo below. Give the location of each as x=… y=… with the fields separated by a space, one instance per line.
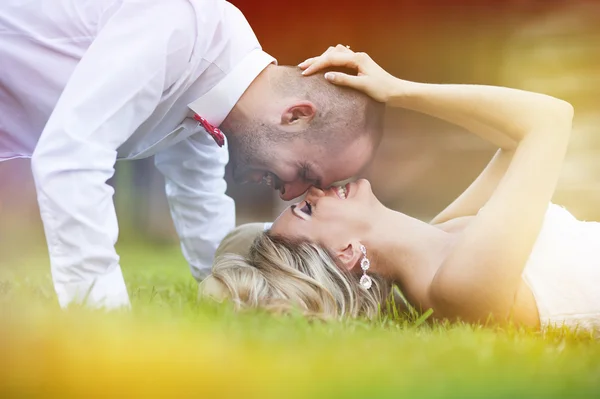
x=563 y=271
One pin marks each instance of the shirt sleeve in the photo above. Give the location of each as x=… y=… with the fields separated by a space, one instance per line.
x=139 y=52
x=194 y=172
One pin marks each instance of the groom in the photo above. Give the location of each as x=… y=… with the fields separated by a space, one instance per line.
x=84 y=84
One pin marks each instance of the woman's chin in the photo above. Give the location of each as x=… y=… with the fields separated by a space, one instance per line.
x=359 y=188
x=363 y=191
x=365 y=194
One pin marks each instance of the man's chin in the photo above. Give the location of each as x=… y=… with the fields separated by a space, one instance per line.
x=240 y=175
x=244 y=176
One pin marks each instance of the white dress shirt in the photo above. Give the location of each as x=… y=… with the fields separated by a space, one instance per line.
x=84 y=83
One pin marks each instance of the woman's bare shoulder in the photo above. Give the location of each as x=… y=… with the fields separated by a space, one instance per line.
x=454 y=225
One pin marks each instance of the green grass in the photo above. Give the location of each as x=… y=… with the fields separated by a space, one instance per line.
x=170 y=345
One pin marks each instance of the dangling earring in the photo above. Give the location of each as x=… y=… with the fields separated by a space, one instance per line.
x=365 y=280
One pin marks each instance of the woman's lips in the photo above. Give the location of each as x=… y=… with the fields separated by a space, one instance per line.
x=342 y=191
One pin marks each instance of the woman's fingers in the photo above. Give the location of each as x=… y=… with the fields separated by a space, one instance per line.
x=345 y=49
x=343 y=79
x=340 y=48
x=306 y=63
x=333 y=59
x=370 y=79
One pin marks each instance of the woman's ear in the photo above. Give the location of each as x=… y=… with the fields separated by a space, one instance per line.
x=350 y=256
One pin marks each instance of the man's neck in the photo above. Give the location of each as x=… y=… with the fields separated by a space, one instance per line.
x=255 y=96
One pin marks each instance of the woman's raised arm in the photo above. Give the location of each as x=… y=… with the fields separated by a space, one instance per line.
x=483 y=272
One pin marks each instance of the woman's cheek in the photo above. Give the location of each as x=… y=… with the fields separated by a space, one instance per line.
x=324 y=228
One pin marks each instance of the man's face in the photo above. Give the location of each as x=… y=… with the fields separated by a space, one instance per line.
x=293 y=166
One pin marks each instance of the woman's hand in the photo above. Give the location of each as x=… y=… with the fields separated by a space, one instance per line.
x=371 y=78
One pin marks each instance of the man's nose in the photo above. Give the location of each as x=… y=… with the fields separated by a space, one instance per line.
x=294 y=191
x=314 y=192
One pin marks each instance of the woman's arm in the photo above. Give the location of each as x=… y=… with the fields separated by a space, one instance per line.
x=479 y=192
x=496 y=111
x=383 y=87
x=483 y=271
x=374 y=80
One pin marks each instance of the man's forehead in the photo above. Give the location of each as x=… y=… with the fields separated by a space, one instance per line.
x=340 y=173
x=336 y=166
x=334 y=176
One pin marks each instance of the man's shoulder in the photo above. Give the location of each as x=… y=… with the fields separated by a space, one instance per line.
x=236 y=39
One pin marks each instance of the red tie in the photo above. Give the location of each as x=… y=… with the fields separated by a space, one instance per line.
x=216 y=134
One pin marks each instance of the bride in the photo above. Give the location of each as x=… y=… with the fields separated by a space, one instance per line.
x=501 y=251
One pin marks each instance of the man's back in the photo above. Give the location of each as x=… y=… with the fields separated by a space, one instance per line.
x=86 y=82
x=40 y=45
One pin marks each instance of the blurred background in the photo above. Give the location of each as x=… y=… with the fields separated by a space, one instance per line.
x=423 y=164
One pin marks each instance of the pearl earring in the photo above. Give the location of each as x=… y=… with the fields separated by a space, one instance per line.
x=365 y=280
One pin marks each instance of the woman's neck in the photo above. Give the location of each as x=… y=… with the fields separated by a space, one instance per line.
x=406 y=249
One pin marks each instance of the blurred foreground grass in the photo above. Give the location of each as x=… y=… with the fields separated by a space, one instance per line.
x=171 y=346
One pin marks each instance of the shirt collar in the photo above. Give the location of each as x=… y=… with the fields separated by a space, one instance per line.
x=217 y=103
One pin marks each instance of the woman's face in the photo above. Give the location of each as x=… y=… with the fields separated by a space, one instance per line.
x=334 y=217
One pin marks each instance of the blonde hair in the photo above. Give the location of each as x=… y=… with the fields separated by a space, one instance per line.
x=281 y=274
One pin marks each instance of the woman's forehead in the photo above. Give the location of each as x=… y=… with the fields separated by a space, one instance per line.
x=282 y=221
x=289 y=225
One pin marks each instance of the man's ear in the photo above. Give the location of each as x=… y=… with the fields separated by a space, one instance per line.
x=297 y=116
x=350 y=256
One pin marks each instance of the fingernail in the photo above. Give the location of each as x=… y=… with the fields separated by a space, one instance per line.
x=330 y=76
x=304 y=72
x=302 y=64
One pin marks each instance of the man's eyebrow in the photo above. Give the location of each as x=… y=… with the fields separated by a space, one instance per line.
x=319 y=182
x=305 y=171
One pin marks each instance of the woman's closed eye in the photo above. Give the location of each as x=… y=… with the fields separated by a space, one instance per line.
x=307 y=208
x=303 y=210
